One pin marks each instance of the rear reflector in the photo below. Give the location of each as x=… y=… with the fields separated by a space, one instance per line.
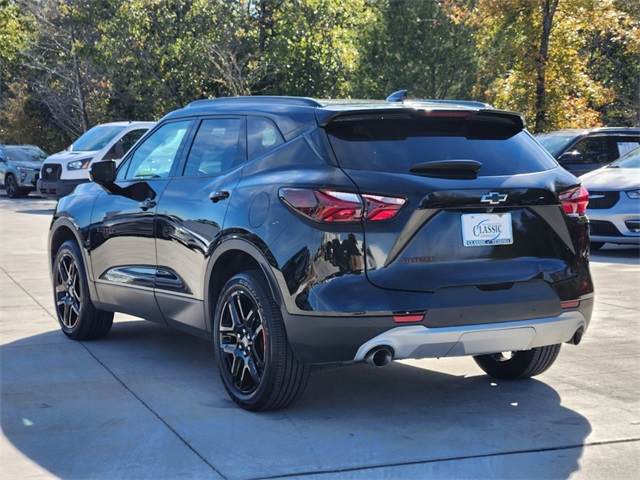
x=570 y=304
x=334 y=206
x=575 y=201
x=407 y=318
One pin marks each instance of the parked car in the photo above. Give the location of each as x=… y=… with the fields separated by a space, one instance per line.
x=614 y=201
x=292 y=232
x=64 y=171
x=19 y=167
x=581 y=151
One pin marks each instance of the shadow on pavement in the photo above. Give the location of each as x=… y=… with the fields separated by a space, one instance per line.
x=626 y=254
x=140 y=402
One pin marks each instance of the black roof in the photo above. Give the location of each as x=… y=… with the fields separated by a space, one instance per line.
x=291 y=114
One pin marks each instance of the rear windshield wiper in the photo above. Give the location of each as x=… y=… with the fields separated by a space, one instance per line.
x=454 y=169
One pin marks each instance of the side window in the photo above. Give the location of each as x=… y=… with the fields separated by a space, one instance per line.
x=588 y=150
x=262 y=136
x=217 y=147
x=626 y=144
x=155 y=156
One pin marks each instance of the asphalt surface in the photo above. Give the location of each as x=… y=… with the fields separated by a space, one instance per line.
x=147 y=402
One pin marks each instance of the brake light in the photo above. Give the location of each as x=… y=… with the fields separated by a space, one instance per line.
x=333 y=206
x=575 y=201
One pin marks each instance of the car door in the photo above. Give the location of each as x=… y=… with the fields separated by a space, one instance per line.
x=191 y=215
x=123 y=253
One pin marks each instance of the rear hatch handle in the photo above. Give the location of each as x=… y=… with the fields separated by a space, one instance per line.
x=457 y=169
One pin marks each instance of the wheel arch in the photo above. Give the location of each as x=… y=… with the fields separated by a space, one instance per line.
x=63 y=229
x=231 y=257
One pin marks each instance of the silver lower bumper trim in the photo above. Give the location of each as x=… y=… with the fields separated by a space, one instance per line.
x=419 y=341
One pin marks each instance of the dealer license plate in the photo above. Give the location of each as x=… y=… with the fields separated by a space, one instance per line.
x=480 y=229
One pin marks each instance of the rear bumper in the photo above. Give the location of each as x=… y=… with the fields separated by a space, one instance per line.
x=58 y=188
x=348 y=339
x=423 y=342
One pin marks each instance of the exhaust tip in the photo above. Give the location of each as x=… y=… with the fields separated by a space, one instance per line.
x=577 y=337
x=379 y=356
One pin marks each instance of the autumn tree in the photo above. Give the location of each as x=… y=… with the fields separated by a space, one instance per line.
x=537 y=56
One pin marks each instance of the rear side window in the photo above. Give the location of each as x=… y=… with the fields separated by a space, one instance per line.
x=394 y=145
x=262 y=136
x=216 y=148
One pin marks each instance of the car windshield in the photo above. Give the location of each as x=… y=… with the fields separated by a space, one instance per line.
x=22 y=154
x=554 y=143
x=630 y=160
x=96 y=138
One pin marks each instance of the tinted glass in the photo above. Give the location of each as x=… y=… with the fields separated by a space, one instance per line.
x=95 y=139
x=554 y=143
x=155 y=156
x=396 y=144
x=123 y=145
x=216 y=147
x=631 y=160
x=25 y=154
x=262 y=136
x=590 y=150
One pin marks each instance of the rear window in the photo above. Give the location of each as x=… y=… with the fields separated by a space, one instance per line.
x=394 y=145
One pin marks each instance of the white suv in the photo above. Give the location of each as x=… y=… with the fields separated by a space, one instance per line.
x=62 y=172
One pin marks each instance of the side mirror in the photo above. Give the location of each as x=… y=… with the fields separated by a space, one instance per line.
x=570 y=158
x=103 y=173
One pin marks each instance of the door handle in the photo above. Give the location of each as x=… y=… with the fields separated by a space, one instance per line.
x=216 y=196
x=147 y=204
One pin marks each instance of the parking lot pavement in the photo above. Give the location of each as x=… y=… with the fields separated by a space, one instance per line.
x=147 y=402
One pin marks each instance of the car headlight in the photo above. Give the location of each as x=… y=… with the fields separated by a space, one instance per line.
x=635 y=194
x=79 y=164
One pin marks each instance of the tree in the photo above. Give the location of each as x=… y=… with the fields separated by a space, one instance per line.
x=537 y=56
x=310 y=46
x=417 y=47
x=58 y=53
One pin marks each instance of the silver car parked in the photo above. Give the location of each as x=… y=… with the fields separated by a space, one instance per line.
x=614 y=201
x=19 y=168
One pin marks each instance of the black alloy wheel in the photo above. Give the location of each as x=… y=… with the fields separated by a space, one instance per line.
x=12 y=188
x=243 y=341
x=78 y=317
x=67 y=290
x=257 y=366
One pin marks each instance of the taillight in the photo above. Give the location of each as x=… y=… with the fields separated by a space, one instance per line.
x=575 y=201
x=333 y=206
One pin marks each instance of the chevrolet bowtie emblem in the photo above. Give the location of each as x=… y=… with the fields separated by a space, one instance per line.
x=494 y=198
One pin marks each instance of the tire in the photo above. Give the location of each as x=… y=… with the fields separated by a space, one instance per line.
x=78 y=317
x=11 y=187
x=517 y=365
x=596 y=245
x=256 y=363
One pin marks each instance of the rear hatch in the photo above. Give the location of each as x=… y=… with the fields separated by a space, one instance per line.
x=481 y=201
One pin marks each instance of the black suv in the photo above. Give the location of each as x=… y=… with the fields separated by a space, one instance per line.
x=583 y=150
x=293 y=232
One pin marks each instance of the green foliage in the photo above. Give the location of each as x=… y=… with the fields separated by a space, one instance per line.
x=578 y=77
x=415 y=46
x=66 y=65
x=311 y=50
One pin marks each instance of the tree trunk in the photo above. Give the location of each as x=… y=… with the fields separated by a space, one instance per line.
x=82 y=105
x=548 y=9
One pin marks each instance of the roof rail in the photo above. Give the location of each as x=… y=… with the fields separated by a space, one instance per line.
x=302 y=101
